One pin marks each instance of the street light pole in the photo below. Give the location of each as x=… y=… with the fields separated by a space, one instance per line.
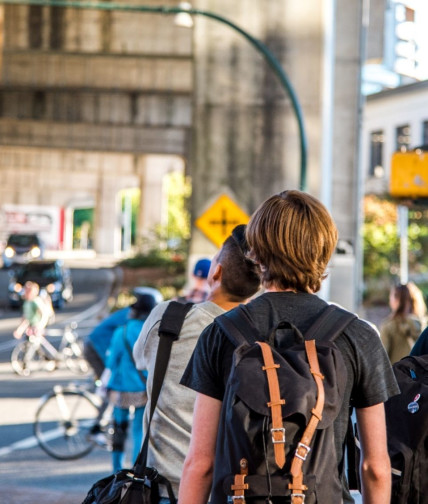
x=262 y=48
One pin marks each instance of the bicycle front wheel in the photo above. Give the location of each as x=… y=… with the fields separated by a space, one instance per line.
x=26 y=358
x=63 y=423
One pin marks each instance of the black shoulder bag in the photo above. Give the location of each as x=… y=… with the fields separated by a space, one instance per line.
x=140 y=485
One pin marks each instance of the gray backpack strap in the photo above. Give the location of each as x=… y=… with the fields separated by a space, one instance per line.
x=330 y=324
x=238 y=327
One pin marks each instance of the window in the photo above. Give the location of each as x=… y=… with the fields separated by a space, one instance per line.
x=39 y=105
x=57 y=28
x=402 y=138
x=35 y=19
x=376 y=154
x=425 y=133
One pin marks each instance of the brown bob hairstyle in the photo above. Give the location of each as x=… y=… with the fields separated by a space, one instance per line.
x=292 y=236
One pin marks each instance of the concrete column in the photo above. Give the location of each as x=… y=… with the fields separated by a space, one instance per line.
x=152 y=170
x=107 y=216
x=115 y=173
x=346 y=190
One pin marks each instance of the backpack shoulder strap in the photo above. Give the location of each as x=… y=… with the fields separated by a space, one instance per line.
x=238 y=327
x=330 y=324
x=169 y=331
x=173 y=318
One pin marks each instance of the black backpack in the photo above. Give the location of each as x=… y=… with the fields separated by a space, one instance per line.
x=276 y=438
x=407 y=430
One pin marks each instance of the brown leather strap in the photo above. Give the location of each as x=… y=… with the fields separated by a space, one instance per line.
x=278 y=431
x=239 y=486
x=303 y=447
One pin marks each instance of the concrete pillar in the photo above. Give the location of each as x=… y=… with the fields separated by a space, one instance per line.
x=151 y=170
x=116 y=172
x=346 y=183
x=107 y=225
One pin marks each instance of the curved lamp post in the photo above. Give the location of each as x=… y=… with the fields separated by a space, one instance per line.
x=269 y=57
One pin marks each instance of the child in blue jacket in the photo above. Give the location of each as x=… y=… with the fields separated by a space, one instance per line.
x=126 y=387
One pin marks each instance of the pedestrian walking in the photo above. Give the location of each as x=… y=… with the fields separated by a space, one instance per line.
x=401 y=328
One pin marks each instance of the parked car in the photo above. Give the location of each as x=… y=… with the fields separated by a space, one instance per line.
x=22 y=248
x=52 y=276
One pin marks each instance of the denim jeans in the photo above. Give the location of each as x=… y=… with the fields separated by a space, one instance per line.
x=164 y=500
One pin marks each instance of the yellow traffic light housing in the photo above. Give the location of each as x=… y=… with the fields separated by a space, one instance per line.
x=409 y=174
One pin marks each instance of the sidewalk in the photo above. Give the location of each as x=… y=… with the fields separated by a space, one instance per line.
x=14 y=495
x=36 y=496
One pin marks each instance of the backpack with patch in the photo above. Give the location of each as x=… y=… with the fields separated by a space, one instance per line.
x=276 y=440
x=407 y=431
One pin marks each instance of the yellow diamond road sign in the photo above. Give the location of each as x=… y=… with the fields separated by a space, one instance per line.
x=219 y=220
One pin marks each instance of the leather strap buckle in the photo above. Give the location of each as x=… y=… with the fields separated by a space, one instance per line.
x=277 y=441
x=305 y=447
x=236 y=499
x=297 y=496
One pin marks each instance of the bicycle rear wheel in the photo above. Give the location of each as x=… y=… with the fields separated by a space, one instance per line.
x=26 y=358
x=63 y=424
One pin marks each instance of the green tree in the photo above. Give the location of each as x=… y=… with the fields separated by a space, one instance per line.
x=176 y=232
x=382 y=244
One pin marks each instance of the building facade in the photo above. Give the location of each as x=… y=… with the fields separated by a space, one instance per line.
x=91 y=103
x=394 y=120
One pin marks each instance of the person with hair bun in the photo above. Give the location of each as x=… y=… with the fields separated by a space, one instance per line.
x=233 y=279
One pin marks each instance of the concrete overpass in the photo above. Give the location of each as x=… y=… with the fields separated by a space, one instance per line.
x=96 y=101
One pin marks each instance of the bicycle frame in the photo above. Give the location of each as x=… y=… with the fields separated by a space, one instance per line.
x=38 y=348
x=40 y=340
x=68 y=339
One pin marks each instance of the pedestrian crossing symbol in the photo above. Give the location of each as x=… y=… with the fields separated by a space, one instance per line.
x=218 y=221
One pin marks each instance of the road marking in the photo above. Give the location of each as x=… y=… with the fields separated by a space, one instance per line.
x=24 y=444
x=31 y=442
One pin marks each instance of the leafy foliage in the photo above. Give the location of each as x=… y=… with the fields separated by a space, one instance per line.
x=382 y=245
x=155 y=258
x=166 y=248
x=178 y=188
x=381 y=242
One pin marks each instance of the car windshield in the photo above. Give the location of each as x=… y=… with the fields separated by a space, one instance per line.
x=39 y=273
x=22 y=240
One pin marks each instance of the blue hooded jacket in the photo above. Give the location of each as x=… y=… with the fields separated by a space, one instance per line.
x=124 y=375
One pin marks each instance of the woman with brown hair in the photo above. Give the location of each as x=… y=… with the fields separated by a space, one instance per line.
x=401 y=328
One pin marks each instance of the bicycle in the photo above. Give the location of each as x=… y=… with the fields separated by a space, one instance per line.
x=68 y=418
x=36 y=353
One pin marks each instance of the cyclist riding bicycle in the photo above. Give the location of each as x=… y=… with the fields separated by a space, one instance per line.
x=34 y=310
